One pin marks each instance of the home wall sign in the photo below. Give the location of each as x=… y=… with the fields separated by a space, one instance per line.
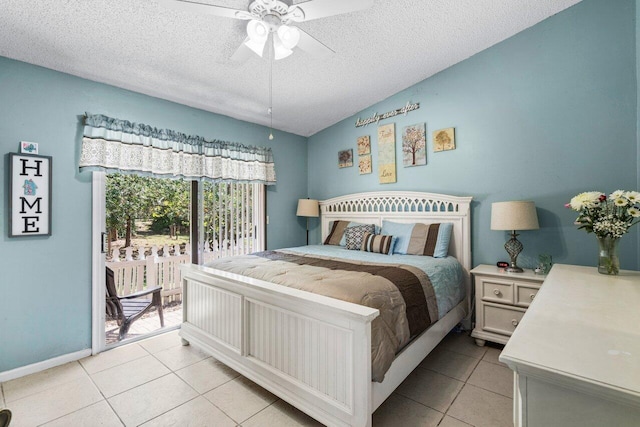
x=29 y=195
x=377 y=117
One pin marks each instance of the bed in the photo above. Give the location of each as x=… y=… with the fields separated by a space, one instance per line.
x=312 y=350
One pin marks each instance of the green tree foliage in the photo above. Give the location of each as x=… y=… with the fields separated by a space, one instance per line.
x=126 y=200
x=169 y=203
x=166 y=203
x=132 y=197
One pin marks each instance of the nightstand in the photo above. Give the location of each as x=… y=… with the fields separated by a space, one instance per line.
x=501 y=300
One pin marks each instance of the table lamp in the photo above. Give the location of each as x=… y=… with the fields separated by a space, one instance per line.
x=513 y=216
x=308 y=208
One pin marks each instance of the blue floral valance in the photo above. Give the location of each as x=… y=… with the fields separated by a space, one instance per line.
x=116 y=145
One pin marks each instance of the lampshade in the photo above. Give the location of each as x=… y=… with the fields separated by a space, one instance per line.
x=308 y=207
x=257 y=30
x=516 y=215
x=280 y=51
x=258 y=35
x=289 y=36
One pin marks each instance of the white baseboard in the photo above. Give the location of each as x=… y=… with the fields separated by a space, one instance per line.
x=45 y=364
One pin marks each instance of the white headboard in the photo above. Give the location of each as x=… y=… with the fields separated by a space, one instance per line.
x=407 y=207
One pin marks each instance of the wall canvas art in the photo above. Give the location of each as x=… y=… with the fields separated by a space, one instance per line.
x=364 y=164
x=414 y=143
x=444 y=139
x=28 y=147
x=345 y=158
x=387 y=153
x=364 y=145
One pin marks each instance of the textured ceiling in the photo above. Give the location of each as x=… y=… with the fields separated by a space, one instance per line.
x=183 y=57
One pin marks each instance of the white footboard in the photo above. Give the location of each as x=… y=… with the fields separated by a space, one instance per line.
x=311 y=351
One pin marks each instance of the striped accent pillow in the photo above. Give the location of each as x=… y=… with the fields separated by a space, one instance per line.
x=336 y=233
x=377 y=243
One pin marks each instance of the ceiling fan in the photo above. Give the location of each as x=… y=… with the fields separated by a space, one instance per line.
x=274 y=18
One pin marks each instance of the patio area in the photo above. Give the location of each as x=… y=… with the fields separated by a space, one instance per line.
x=148 y=323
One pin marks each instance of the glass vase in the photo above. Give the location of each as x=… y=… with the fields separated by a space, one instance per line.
x=608 y=261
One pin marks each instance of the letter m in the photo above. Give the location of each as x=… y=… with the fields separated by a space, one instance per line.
x=36 y=203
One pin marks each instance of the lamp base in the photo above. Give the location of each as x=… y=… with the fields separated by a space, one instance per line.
x=513 y=248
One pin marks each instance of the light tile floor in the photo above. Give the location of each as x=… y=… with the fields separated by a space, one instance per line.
x=158 y=382
x=148 y=323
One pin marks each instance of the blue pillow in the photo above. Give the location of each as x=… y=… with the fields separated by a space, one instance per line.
x=444 y=237
x=419 y=239
x=401 y=233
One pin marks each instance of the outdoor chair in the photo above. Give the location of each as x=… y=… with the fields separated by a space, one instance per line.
x=127 y=309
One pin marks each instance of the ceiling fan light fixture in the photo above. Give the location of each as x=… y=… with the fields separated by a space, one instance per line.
x=256 y=46
x=289 y=36
x=257 y=31
x=280 y=51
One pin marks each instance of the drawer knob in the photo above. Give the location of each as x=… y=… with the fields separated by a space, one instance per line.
x=497 y=292
x=532 y=296
x=514 y=322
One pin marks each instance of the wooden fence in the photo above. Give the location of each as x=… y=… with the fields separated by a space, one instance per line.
x=133 y=275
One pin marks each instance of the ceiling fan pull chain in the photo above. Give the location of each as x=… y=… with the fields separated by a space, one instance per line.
x=271 y=55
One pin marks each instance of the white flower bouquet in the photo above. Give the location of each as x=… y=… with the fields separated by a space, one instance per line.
x=609 y=218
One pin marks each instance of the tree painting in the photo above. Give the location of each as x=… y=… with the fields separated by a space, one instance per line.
x=414 y=145
x=444 y=139
x=345 y=158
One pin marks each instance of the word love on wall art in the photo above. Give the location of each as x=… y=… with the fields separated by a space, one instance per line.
x=387 y=153
x=29 y=195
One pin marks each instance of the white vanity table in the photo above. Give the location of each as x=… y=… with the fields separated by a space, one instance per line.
x=576 y=352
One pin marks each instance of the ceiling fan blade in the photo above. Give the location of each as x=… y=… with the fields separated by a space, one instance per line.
x=242 y=53
x=311 y=45
x=315 y=9
x=195 y=7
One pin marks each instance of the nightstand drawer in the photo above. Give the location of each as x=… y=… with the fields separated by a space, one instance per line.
x=497 y=291
x=525 y=295
x=500 y=319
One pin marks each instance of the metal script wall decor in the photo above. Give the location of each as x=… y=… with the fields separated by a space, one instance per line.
x=377 y=117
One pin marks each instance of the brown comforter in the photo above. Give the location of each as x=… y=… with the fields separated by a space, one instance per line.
x=403 y=294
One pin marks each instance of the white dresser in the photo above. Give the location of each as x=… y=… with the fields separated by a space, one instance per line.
x=501 y=300
x=576 y=352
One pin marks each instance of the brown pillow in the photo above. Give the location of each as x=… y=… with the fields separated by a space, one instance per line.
x=336 y=233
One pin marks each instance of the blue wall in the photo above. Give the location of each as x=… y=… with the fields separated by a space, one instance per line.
x=45 y=283
x=542 y=116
